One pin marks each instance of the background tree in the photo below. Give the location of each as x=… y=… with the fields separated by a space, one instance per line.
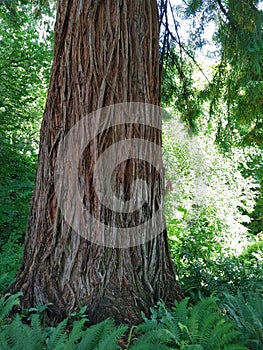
x=235 y=81
x=25 y=58
x=105 y=53
x=218 y=93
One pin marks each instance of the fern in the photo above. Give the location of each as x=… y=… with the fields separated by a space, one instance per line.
x=57 y=336
x=102 y=336
x=208 y=327
x=180 y=311
x=185 y=327
x=148 y=346
x=7 y=303
x=16 y=335
x=36 y=331
x=110 y=342
x=19 y=336
x=248 y=315
x=199 y=327
x=76 y=334
x=5 y=278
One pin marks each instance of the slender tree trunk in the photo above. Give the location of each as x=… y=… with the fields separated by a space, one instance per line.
x=106 y=52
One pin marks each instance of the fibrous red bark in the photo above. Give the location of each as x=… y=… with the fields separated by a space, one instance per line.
x=106 y=52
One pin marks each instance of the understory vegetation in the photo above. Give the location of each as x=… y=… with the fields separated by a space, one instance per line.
x=214 y=200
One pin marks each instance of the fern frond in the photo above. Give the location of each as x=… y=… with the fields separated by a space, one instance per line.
x=99 y=333
x=75 y=335
x=202 y=327
x=201 y=320
x=248 y=316
x=165 y=332
x=235 y=307
x=20 y=336
x=138 y=346
x=36 y=331
x=223 y=334
x=181 y=311
x=235 y=347
x=110 y=342
x=153 y=340
x=7 y=303
x=57 y=336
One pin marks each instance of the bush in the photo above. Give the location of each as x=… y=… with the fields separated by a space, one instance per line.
x=10 y=261
x=203 y=275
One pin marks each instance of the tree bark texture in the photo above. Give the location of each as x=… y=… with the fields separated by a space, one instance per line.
x=106 y=52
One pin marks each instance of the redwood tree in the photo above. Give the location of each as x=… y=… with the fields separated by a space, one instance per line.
x=106 y=52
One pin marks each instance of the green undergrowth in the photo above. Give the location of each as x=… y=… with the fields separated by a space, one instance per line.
x=234 y=323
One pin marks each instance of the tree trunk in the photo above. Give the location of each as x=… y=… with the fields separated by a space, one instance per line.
x=106 y=52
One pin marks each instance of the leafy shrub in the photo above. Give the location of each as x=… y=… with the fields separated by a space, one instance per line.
x=10 y=261
x=216 y=222
x=209 y=252
x=201 y=277
x=17 y=174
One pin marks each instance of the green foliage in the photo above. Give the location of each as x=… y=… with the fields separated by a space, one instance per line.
x=243 y=50
x=7 y=303
x=204 y=266
x=201 y=326
x=203 y=278
x=216 y=251
x=247 y=312
x=178 y=87
x=185 y=327
x=255 y=168
x=253 y=254
x=16 y=186
x=19 y=336
x=235 y=87
x=102 y=336
x=227 y=109
x=10 y=261
x=31 y=334
x=205 y=228
x=25 y=58
x=24 y=68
